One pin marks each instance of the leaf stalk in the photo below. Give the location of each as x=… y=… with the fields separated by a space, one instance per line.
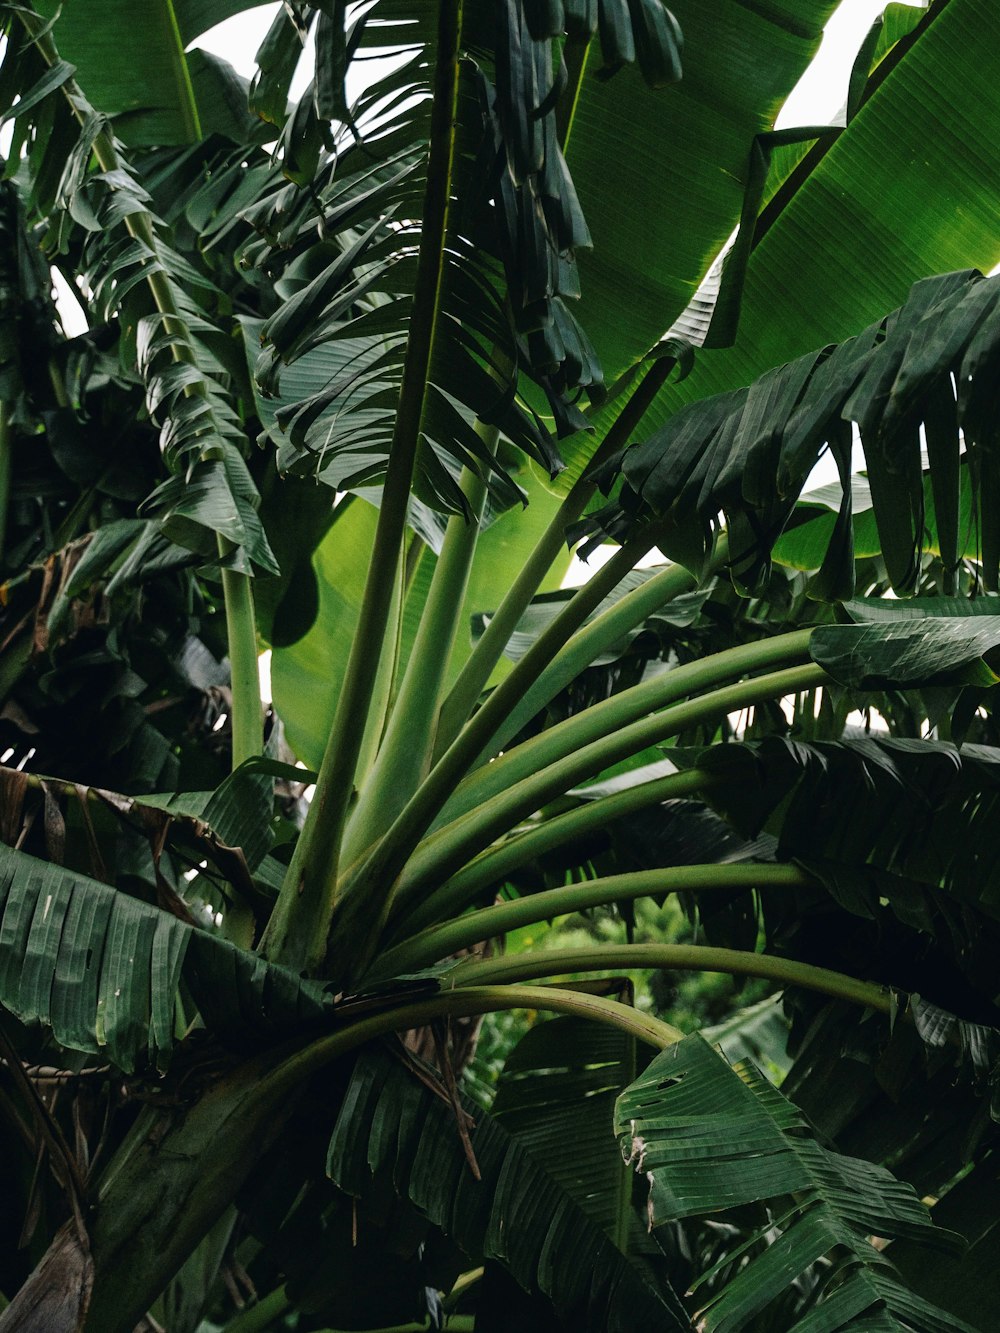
x=679 y=958
x=439 y=942
x=300 y=925
x=446 y=851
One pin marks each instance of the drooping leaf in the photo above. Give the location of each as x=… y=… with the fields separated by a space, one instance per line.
x=749 y=453
x=712 y=1136
x=923 y=650
x=890 y=827
x=103 y=970
x=391 y=1126
x=556 y=1094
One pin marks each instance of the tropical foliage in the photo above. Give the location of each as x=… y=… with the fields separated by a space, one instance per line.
x=356 y=370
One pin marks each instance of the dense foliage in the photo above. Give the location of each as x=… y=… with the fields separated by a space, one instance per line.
x=357 y=370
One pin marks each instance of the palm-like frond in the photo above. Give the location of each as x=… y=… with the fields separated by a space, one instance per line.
x=887 y=826
x=210 y=490
x=349 y=248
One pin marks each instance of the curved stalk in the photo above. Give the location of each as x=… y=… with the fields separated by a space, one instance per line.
x=481 y=729
x=466 y=691
x=201 y=1158
x=678 y=958
x=466 y=886
x=299 y=927
x=497 y=863
x=469 y=1000
x=446 y=851
x=620 y=710
x=598 y=635
x=439 y=941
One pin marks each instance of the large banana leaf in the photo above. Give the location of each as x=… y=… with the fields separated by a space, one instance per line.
x=711 y=1136
x=899 y=1099
x=899 y=833
x=686 y=166
x=141 y=73
x=969 y=1285
x=934 y=650
x=556 y=1093
x=910 y=188
x=391 y=1126
x=104 y=971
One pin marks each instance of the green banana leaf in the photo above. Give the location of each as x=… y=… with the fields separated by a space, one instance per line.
x=556 y=1094
x=881 y=823
x=709 y=1135
x=393 y=1128
x=104 y=971
x=910 y=188
x=921 y=650
x=140 y=73
x=687 y=164
x=750 y=451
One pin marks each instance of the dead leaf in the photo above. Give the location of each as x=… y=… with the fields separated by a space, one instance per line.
x=56 y=1296
x=13 y=788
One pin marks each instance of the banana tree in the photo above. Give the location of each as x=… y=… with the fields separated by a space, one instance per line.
x=355 y=371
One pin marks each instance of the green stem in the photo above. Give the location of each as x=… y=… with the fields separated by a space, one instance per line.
x=440 y=941
x=405 y=754
x=384 y=680
x=246 y=713
x=677 y=958
x=496 y=864
x=299 y=927
x=368 y=891
x=480 y=731
x=465 y=693
x=599 y=634
x=620 y=710
x=446 y=851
